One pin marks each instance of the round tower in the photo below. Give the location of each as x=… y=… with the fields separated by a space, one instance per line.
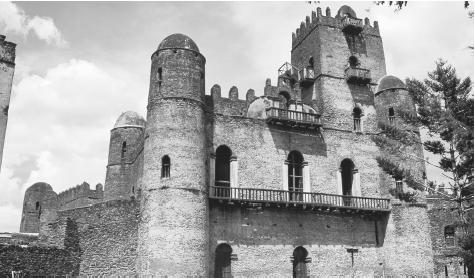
x=39 y=206
x=173 y=232
x=125 y=142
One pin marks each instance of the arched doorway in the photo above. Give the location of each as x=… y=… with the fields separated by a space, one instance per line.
x=223 y=170
x=222 y=261
x=299 y=268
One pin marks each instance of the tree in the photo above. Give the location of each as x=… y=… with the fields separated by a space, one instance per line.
x=444 y=105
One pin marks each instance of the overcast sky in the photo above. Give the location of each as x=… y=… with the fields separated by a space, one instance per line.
x=79 y=65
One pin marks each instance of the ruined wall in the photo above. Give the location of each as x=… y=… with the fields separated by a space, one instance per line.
x=79 y=196
x=39 y=207
x=7 y=68
x=442 y=213
x=107 y=237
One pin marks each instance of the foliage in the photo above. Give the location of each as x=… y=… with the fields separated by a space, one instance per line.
x=404 y=196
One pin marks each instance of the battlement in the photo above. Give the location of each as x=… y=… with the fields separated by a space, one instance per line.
x=317 y=19
x=79 y=195
x=230 y=105
x=7 y=51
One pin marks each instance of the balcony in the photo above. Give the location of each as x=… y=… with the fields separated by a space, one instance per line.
x=293 y=118
x=357 y=75
x=352 y=26
x=303 y=200
x=306 y=76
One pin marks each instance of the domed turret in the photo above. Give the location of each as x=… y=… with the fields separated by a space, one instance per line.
x=389 y=82
x=130 y=119
x=346 y=11
x=174 y=165
x=176 y=41
x=125 y=143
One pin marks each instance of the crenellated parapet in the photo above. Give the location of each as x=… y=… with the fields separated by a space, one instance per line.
x=318 y=19
x=230 y=105
x=7 y=51
x=80 y=195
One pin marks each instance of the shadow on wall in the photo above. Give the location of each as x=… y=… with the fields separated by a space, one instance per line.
x=291 y=226
x=311 y=143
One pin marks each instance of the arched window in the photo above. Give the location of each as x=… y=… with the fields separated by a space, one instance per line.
x=311 y=63
x=357 y=119
x=299 y=269
x=165 y=166
x=449 y=235
x=353 y=61
x=223 y=166
x=347 y=168
x=123 y=150
x=295 y=180
x=222 y=261
x=37 y=207
x=399 y=188
x=391 y=116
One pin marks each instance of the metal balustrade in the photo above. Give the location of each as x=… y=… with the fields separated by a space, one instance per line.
x=352 y=25
x=357 y=75
x=307 y=76
x=292 y=118
x=303 y=198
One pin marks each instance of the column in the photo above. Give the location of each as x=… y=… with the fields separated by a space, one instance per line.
x=233 y=177
x=306 y=182
x=285 y=179
x=339 y=186
x=212 y=166
x=356 y=187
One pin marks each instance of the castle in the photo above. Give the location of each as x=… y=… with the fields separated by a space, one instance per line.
x=285 y=184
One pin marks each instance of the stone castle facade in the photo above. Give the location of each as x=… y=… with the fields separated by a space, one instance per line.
x=285 y=184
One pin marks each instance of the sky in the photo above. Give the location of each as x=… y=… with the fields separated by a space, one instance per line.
x=79 y=65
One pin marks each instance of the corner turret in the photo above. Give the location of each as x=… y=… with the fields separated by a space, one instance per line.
x=174 y=201
x=39 y=207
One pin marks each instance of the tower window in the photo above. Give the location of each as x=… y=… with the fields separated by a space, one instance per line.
x=160 y=77
x=124 y=149
x=222 y=262
x=299 y=265
x=311 y=63
x=165 y=166
x=391 y=116
x=223 y=168
x=449 y=235
x=353 y=61
x=295 y=179
x=357 y=119
x=37 y=207
x=399 y=189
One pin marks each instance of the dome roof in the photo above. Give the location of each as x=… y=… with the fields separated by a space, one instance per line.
x=344 y=10
x=390 y=82
x=129 y=118
x=178 y=41
x=39 y=186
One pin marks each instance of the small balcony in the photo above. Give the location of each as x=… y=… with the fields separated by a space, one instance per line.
x=352 y=26
x=357 y=75
x=306 y=76
x=293 y=118
x=302 y=200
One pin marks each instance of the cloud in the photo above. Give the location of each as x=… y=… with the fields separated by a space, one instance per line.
x=58 y=129
x=14 y=19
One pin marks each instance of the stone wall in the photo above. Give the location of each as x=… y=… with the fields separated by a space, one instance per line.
x=107 y=237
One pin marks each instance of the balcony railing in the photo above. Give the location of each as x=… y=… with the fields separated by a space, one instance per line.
x=310 y=200
x=352 y=25
x=292 y=118
x=357 y=75
x=306 y=76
